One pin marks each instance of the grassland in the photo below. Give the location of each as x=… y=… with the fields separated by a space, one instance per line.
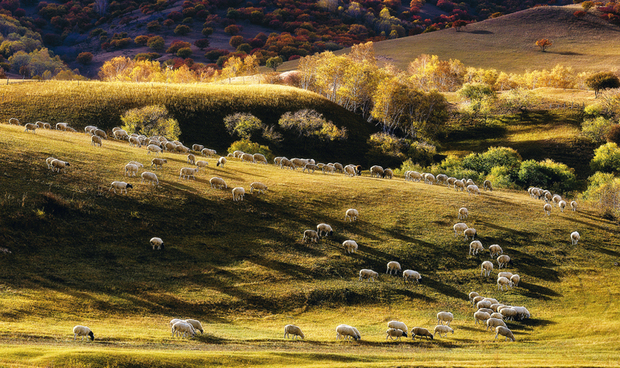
x=241 y=268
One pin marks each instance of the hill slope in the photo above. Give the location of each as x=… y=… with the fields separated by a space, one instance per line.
x=82 y=258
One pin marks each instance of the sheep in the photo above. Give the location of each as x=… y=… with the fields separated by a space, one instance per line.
x=324 y=229
x=62 y=126
x=135 y=141
x=83 y=331
x=59 y=165
x=208 y=152
x=202 y=164
x=459 y=227
x=469 y=232
x=415 y=176
x=377 y=171
x=299 y=162
x=556 y=199
x=238 y=193
x=486 y=267
x=221 y=161
x=157 y=242
x=328 y=169
x=120 y=134
x=149 y=177
x=562 y=205
x=247 y=157
x=473 y=294
x=483 y=304
x=547 y=196
x=388 y=174
x=547 y=208
x=574 y=237
x=494 y=306
x=181 y=148
x=218 y=183
x=197 y=147
x=398 y=325
x=515 y=280
x=69 y=129
x=475 y=247
x=368 y=274
x=30 y=126
x=411 y=274
x=444 y=317
x=97 y=132
x=441 y=329
x=258 y=186
x=350 y=246
x=49 y=160
x=476 y=299
x=573 y=206
x=153 y=148
x=158 y=162
x=311 y=235
x=429 y=179
x=173 y=321
x=522 y=312
x=503 y=260
x=494 y=322
x=259 y=158
x=338 y=166
x=393 y=266
x=497 y=315
x=349 y=170
x=195 y=324
x=492 y=300
x=183 y=328
x=41 y=124
x=463 y=213
x=347 y=332
x=473 y=189
x=309 y=167
x=294 y=331
x=505 y=274
x=420 y=331
x=95 y=140
x=14 y=121
x=352 y=214
x=188 y=172
x=285 y=162
x=395 y=333
x=504 y=331
x=135 y=163
x=503 y=282
x=169 y=146
x=120 y=185
x=487 y=185
x=442 y=179
x=481 y=316
x=191 y=159
x=509 y=313
x=459 y=185
x=495 y=250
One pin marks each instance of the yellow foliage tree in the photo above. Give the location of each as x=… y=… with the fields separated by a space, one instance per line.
x=117 y=69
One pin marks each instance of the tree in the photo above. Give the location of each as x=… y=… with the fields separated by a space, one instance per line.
x=606 y=158
x=235 y=41
x=184 y=52
x=151 y=120
x=156 y=43
x=274 y=62
x=232 y=29
x=308 y=123
x=202 y=43
x=207 y=31
x=153 y=26
x=242 y=124
x=603 y=80
x=587 y=5
x=477 y=94
x=84 y=58
x=543 y=43
x=182 y=30
x=458 y=24
x=177 y=45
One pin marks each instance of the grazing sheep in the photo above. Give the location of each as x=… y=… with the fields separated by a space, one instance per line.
x=191 y=159
x=573 y=206
x=441 y=329
x=41 y=124
x=503 y=260
x=352 y=214
x=486 y=267
x=170 y=146
x=347 y=332
x=188 y=172
x=522 y=312
x=429 y=179
x=421 y=331
x=259 y=158
x=487 y=185
x=377 y=171
x=483 y=304
x=329 y=168
x=120 y=185
x=350 y=246
x=299 y=162
x=153 y=148
x=95 y=140
x=349 y=170
x=497 y=315
x=459 y=185
x=157 y=242
x=135 y=163
x=285 y=162
x=442 y=179
x=444 y=317
x=14 y=121
x=247 y=157
x=508 y=313
x=62 y=126
x=208 y=152
x=368 y=274
x=309 y=167
x=49 y=160
x=149 y=177
x=202 y=164
x=574 y=237
x=184 y=328
x=562 y=205
x=218 y=183
x=158 y=162
x=338 y=166
x=59 y=165
x=311 y=235
x=503 y=282
x=221 y=161
x=238 y=193
x=459 y=227
x=181 y=148
x=97 y=132
x=395 y=333
x=495 y=250
x=415 y=176
x=324 y=229
x=505 y=274
x=469 y=232
x=195 y=324
x=504 y=331
x=475 y=247
x=463 y=213
x=547 y=208
x=556 y=199
x=120 y=134
x=294 y=331
x=393 y=266
x=494 y=322
x=135 y=141
x=515 y=280
x=388 y=174
x=30 y=126
x=473 y=189
x=411 y=275
x=258 y=186
x=197 y=147
x=82 y=331
x=473 y=294
x=481 y=316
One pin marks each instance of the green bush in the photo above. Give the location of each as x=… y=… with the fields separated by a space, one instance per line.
x=453 y=166
x=151 y=120
x=597 y=129
x=606 y=158
x=248 y=146
x=604 y=193
x=548 y=174
x=502 y=177
x=494 y=156
x=182 y=30
x=156 y=43
x=184 y=52
x=242 y=124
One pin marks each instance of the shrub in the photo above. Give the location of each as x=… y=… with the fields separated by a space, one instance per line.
x=604 y=80
x=146 y=56
x=494 y=156
x=168 y=23
x=421 y=152
x=182 y=30
x=235 y=41
x=84 y=58
x=153 y=26
x=502 y=177
x=311 y=123
x=184 y=53
x=597 y=129
x=215 y=54
x=606 y=158
x=244 y=47
x=387 y=144
x=156 y=43
x=176 y=46
x=207 y=31
x=248 y=146
x=242 y=124
x=614 y=134
x=141 y=40
x=232 y=29
x=151 y=120
x=603 y=192
x=202 y=43
x=548 y=174
x=452 y=166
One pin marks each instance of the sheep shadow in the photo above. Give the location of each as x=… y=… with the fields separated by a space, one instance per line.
x=537 y=291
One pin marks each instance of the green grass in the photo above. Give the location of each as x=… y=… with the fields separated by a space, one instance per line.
x=241 y=268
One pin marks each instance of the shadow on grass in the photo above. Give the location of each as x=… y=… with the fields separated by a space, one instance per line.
x=537 y=291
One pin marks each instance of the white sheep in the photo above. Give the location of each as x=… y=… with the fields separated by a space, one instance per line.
x=195 y=324
x=338 y=166
x=31 y=126
x=311 y=235
x=349 y=170
x=188 y=172
x=522 y=312
x=459 y=228
x=388 y=174
x=149 y=177
x=450 y=181
x=157 y=243
x=508 y=313
x=59 y=165
x=258 y=186
x=377 y=171
x=83 y=331
x=459 y=185
x=208 y=152
x=324 y=229
x=49 y=160
x=481 y=316
x=197 y=147
x=415 y=176
x=515 y=280
x=469 y=232
x=574 y=237
x=328 y=169
x=238 y=193
x=421 y=331
x=202 y=164
x=120 y=134
x=62 y=126
x=495 y=250
x=411 y=275
x=191 y=159
x=41 y=124
x=153 y=148
x=573 y=206
x=441 y=329
x=497 y=315
x=135 y=163
x=350 y=246
x=504 y=331
x=473 y=294
x=14 y=121
x=503 y=282
x=429 y=178
x=368 y=274
x=444 y=317
x=135 y=141
x=562 y=205
x=247 y=157
x=352 y=214
x=503 y=260
x=218 y=183
x=494 y=322
x=120 y=185
x=347 y=332
x=483 y=304
x=95 y=140
x=259 y=158
x=398 y=325
x=486 y=267
x=309 y=167
x=547 y=208
x=442 y=179
x=505 y=274
x=131 y=170
x=473 y=189
x=487 y=185
x=183 y=328
x=158 y=162
x=397 y=333
x=174 y=320
x=463 y=213
x=294 y=331
x=285 y=162
x=476 y=299
x=393 y=266
x=221 y=161
x=475 y=247
x=98 y=132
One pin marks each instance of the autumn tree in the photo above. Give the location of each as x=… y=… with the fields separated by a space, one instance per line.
x=274 y=62
x=243 y=124
x=458 y=24
x=543 y=43
x=84 y=58
x=310 y=123
x=603 y=80
x=151 y=120
x=587 y=5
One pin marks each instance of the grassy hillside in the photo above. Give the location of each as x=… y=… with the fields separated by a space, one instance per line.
x=241 y=267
